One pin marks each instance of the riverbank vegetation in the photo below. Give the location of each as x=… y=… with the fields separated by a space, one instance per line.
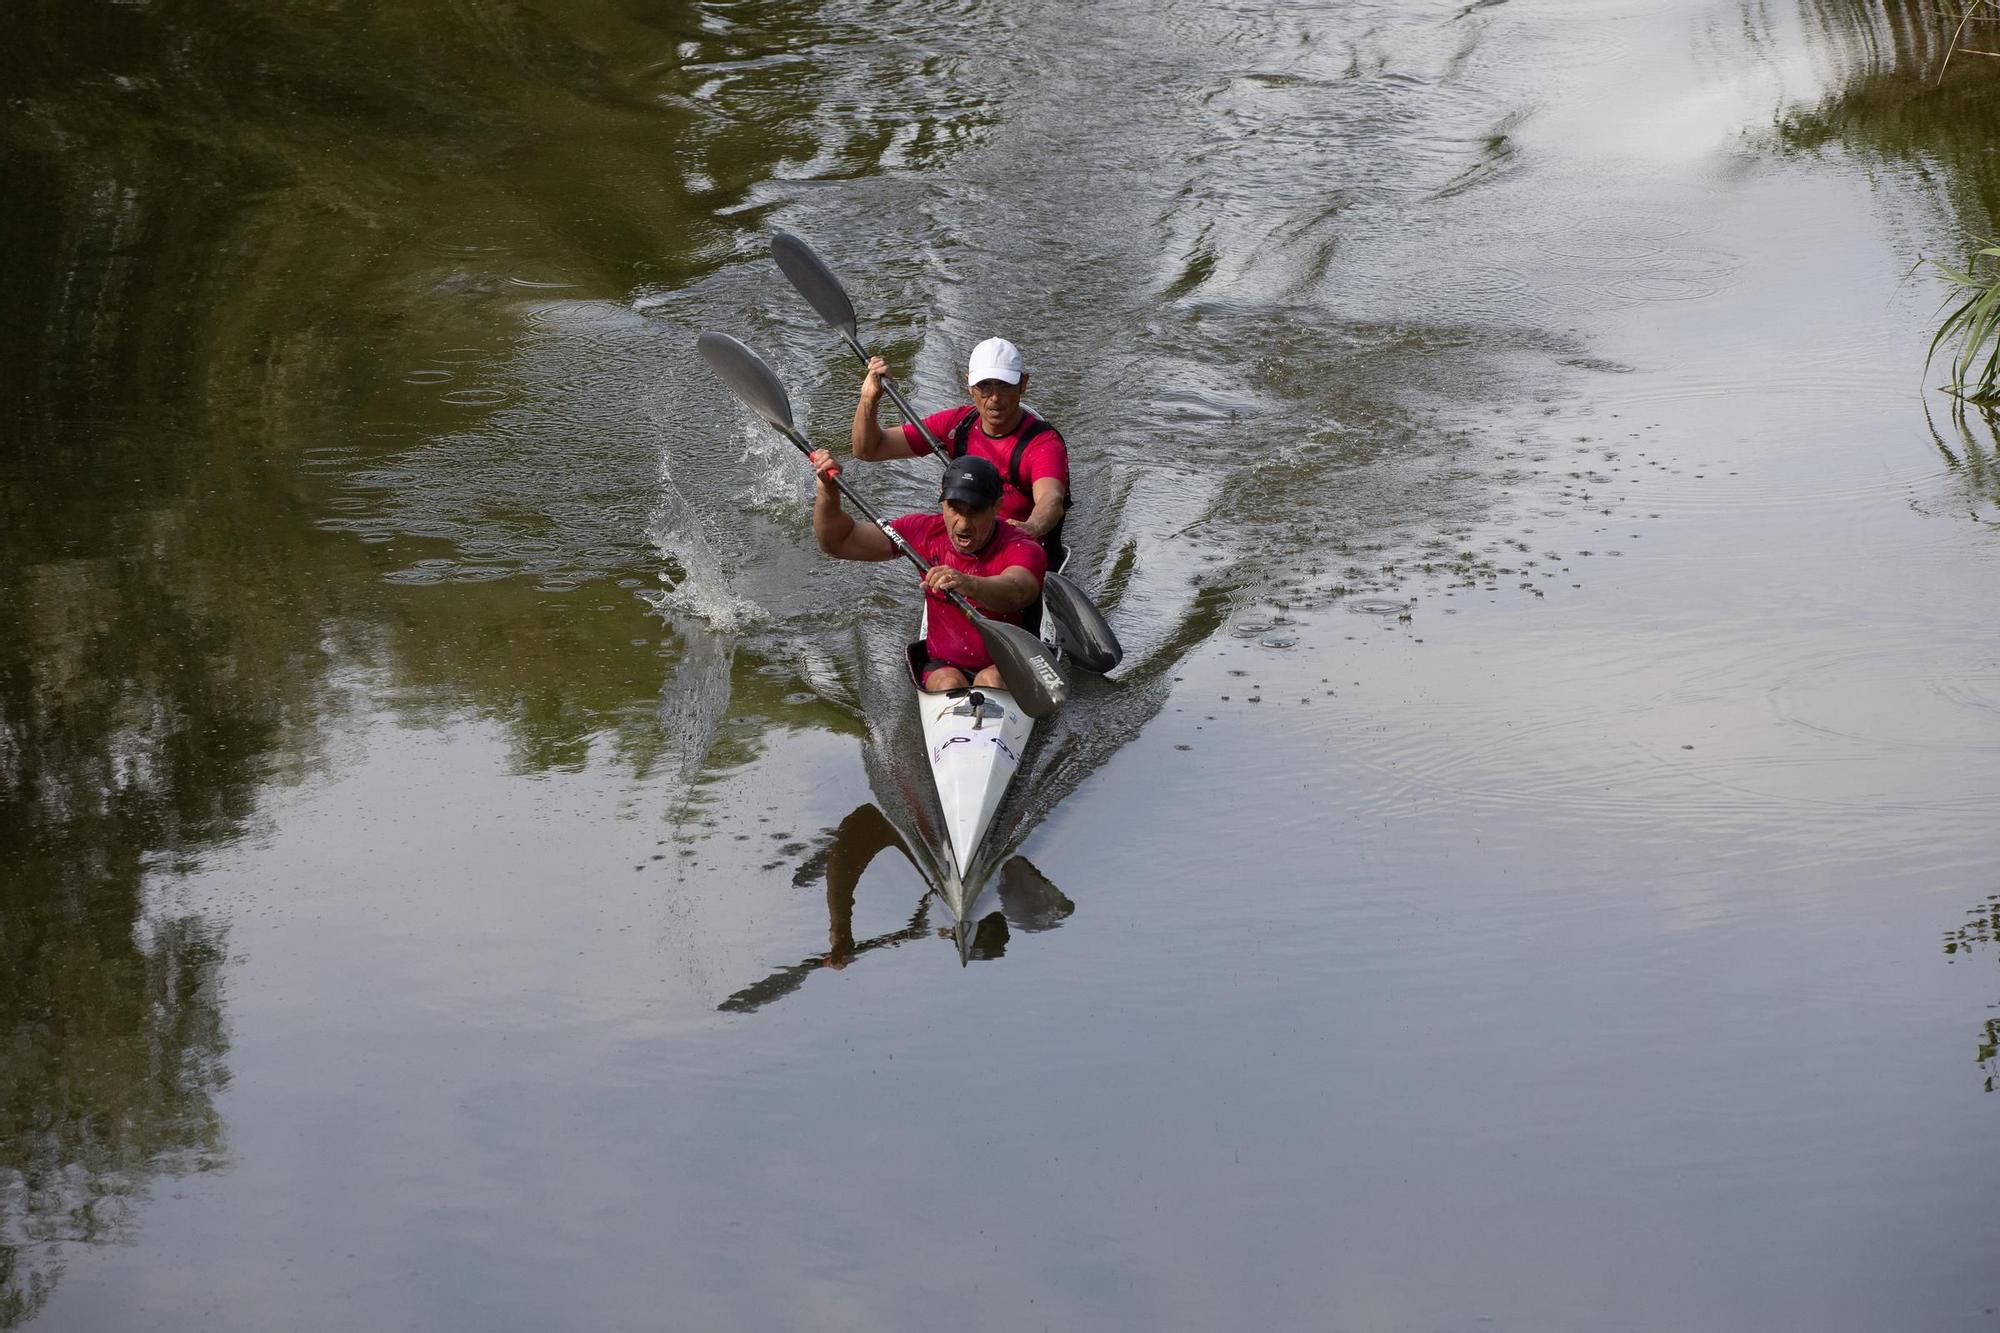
x=1918 y=91
x=1971 y=328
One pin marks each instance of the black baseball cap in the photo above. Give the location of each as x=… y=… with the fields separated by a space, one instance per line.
x=971 y=480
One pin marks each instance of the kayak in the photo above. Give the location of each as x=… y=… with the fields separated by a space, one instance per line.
x=974 y=739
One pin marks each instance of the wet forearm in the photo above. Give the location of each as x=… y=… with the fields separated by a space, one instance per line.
x=832 y=525
x=1042 y=520
x=866 y=438
x=998 y=593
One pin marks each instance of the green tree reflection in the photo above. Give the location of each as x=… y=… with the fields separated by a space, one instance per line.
x=1895 y=99
x=221 y=225
x=125 y=750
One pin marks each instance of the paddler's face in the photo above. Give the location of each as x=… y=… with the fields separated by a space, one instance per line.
x=968 y=528
x=998 y=403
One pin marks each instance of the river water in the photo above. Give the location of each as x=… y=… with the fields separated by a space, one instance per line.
x=1533 y=870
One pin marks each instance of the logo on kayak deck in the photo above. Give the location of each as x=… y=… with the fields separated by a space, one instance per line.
x=967 y=739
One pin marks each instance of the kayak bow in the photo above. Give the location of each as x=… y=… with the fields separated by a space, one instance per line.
x=973 y=740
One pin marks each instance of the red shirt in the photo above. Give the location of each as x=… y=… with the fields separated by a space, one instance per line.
x=950 y=637
x=1047 y=455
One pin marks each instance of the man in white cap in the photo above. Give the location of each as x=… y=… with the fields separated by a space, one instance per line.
x=1032 y=459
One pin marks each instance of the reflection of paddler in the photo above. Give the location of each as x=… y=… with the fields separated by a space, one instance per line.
x=1028 y=452
x=971 y=552
x=855 y=843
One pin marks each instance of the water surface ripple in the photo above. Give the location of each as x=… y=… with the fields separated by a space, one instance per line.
x=469 y=855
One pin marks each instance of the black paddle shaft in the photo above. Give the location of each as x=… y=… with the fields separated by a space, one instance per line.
x=902 y=403
x=823 y=291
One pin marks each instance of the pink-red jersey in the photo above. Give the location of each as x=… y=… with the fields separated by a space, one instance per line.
x=950 y=636
x=1045 y=456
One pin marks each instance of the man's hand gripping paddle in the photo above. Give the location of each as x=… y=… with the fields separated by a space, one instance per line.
x=1022 y=659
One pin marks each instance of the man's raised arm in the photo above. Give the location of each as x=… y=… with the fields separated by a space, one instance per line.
x=872 y=444
x=835 y=529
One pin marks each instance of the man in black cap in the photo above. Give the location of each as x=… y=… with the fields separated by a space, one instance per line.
x=994 y=565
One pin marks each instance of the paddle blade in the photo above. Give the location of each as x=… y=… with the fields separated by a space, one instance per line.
x=1024 y=663
x=814 y=280
x=748 y=378
x=1081 y=629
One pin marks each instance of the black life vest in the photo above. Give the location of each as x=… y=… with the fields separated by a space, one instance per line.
x=1031 y=426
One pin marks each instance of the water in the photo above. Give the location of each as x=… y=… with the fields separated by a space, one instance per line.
x=466 y=856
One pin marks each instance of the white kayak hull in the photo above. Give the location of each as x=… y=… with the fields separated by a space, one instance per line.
x=974 y=740
x=974 y=750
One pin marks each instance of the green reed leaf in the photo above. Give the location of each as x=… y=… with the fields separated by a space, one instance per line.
x=1971 y=325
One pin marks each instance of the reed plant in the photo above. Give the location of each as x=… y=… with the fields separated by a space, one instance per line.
x=1973 y=323
x=1972 y=326
x=1968 y=18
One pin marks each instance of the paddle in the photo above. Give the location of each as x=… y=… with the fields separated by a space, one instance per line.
x=1088 y=637
x=1021 y=658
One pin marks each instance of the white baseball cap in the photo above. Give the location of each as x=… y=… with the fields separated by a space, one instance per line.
x=995 y=359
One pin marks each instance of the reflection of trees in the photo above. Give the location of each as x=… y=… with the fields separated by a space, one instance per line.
x=127 y=742
x=320 y=150
x=1890 y=103
x=114 y=1042
x=1982 y=928
x=219 y=224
